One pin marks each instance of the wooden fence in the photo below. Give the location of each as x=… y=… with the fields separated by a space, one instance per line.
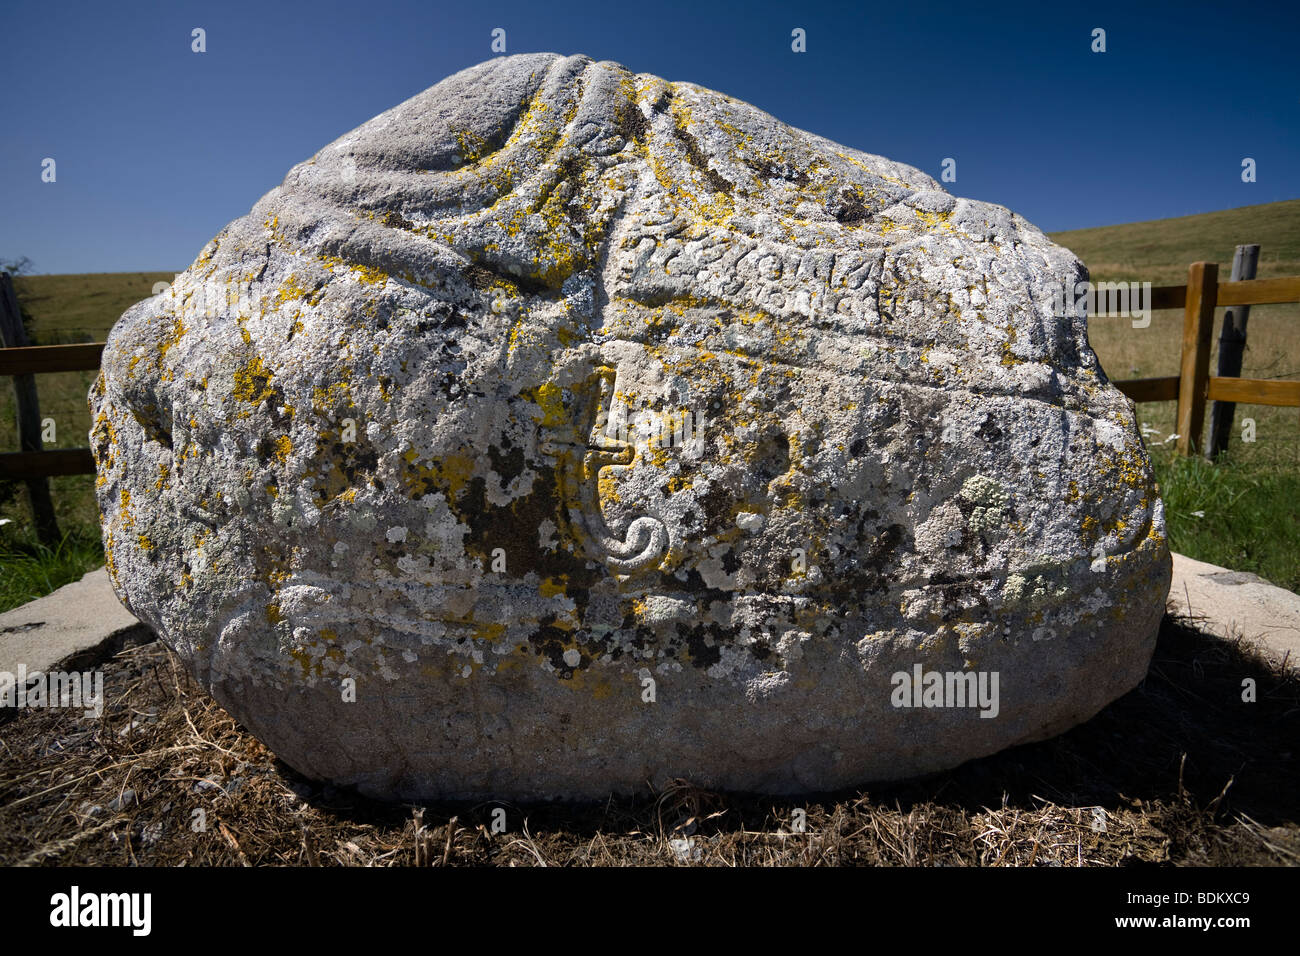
x=1194 y=386
x=32 y=464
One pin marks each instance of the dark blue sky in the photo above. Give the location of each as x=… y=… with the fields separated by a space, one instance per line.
x=158 y=147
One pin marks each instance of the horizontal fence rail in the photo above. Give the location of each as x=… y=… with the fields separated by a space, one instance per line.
x=1243 y=292
x=39 y=359
x=22 y=465
x=1253 y=391
x=1150 y=389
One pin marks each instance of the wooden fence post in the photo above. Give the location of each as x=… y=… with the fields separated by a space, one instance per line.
x=13 y=335
x=1198 y=326
x=1232 y=343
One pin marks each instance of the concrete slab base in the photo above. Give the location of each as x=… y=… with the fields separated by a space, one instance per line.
x=1238 y=604
x=76 y=627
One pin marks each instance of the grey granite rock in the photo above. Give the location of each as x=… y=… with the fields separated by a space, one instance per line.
x=594 y=430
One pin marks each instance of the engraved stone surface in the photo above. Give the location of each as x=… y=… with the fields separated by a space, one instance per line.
x=563 y=430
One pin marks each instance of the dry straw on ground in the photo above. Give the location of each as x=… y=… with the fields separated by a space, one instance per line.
x=1180 y=771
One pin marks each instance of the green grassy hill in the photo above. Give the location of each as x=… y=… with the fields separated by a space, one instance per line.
x=67 y=308
x=1160 y=251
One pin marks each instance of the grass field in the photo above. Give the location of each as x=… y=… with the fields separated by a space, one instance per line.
x=1242 y=512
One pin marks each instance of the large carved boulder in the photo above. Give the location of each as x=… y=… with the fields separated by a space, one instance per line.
x=563 y=430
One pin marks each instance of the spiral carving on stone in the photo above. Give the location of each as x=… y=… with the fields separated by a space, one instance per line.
x=644 y=542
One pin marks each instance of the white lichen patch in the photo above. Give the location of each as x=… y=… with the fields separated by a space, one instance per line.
x=990 y=499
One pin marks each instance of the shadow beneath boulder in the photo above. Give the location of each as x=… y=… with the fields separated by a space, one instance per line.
x=1188 y=738
x=1191 y=727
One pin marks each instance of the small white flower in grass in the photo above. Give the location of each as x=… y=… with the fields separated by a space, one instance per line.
x=1198 y=514
x=1173 y=437
x=5 y=521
